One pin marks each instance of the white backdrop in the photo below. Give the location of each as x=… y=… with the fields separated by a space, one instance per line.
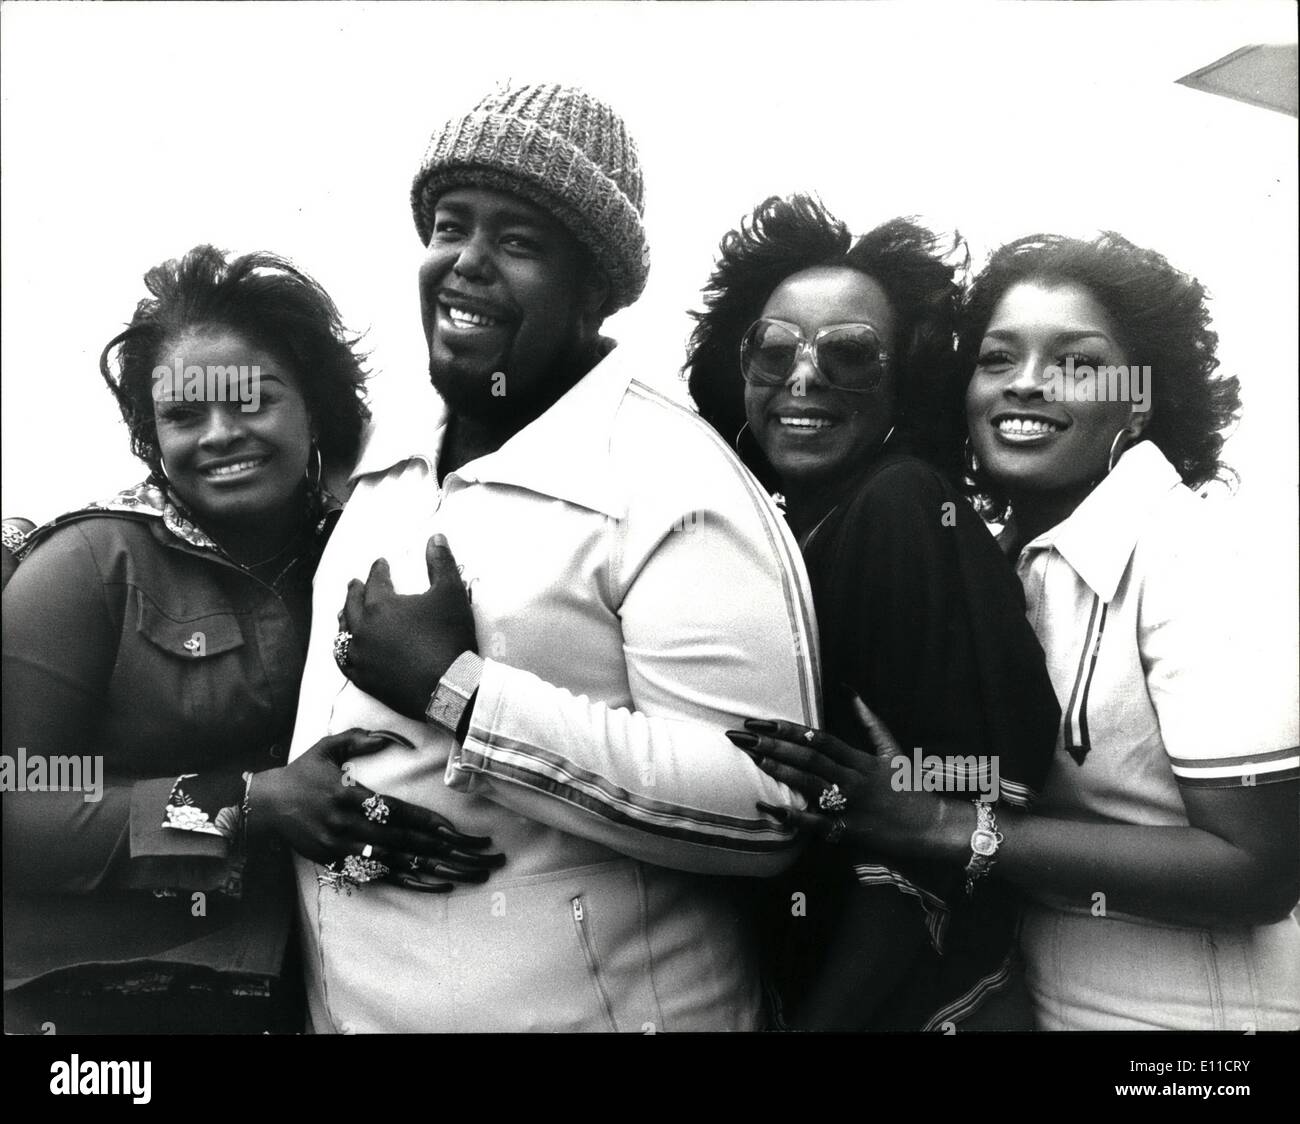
x=131 y=132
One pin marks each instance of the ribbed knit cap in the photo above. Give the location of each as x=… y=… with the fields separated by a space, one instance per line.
x=560 y=148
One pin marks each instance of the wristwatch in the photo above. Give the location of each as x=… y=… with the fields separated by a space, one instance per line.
x=984 y=843
x=455 y=690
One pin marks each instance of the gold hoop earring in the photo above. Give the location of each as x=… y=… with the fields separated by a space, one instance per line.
x=970 y=460
x=314 y=481
x=739 y=434
x=1116 y=453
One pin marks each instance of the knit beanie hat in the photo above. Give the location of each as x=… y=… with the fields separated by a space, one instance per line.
x=561 y=149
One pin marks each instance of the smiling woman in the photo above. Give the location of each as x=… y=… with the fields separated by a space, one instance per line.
x=834 y=359
x=162 y=634
x=1167 y=835
x=240 y=470
x=1160 y=865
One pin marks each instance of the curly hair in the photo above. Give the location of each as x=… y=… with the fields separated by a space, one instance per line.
x=269 y=302
x=1162 y=319
x=783 y=237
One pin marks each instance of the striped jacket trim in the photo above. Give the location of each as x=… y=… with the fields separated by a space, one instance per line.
x=516 y=762
x=936 y=909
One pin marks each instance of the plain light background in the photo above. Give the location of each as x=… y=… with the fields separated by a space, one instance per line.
x=133 y=131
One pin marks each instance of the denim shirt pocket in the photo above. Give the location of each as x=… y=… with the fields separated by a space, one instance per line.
x=198 y=638
x=198 y=660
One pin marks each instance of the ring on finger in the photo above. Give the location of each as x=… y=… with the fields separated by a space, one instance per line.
x=342 y=643
x=808 y=736
x=362 y=870
x=333 y=877
x=376 y=809
x=832 y=799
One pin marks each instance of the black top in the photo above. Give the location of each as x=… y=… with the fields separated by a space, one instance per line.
x=922 y=616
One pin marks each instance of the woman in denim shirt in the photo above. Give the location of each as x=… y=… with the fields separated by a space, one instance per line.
x=153 y=646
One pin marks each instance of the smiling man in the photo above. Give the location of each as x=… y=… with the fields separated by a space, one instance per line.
x=562 y=590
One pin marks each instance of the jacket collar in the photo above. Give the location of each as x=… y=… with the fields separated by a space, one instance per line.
x=145 y=500
x=1099 y=537
x=563 y=454
x=149 y=502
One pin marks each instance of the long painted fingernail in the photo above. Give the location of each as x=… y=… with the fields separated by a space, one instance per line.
x=760 y=725
x=392 y=737
x=778 y=814
x=742 y=740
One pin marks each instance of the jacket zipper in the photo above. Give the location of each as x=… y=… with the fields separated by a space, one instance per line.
x=584 y=939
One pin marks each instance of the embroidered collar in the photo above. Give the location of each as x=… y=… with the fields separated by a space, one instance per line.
x=149 y=501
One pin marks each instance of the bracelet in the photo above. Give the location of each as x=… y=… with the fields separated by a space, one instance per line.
x=984 y=843
x=246 y=806
x=239 y=852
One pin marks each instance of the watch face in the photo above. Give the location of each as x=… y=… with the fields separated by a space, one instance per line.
x=983 y=843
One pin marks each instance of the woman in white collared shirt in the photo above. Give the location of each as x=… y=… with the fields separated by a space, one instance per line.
x=1163 y=858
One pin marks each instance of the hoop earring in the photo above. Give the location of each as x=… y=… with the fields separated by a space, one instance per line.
x=1116 y=453
x=314 y=481
x=969 y=460
x=739 y=434
x=887 y=437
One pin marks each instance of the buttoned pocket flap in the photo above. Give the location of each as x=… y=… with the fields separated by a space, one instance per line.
x=197 y=638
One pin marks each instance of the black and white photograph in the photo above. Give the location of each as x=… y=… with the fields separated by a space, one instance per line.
x=758 y=520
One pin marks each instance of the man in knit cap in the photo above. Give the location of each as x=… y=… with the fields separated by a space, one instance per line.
x=561 y=591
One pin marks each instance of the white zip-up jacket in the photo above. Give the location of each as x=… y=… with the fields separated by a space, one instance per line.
x=635 y=594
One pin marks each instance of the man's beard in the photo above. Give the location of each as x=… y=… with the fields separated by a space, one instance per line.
x=471 y=396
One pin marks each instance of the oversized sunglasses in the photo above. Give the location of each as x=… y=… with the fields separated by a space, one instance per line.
x=848 y=356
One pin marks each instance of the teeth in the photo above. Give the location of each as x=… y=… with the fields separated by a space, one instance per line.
x=806 y=423
x=461 y=318
x=1027 y=426
x=231 y=469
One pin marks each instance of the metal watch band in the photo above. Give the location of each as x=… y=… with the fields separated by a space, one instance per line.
x=455 y=689
x=984 y=843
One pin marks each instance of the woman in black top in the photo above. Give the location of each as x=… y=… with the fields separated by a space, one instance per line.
x=829 y=362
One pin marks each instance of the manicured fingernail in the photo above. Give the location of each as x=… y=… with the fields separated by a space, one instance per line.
x=760 y=725
x=741 y=740
x=459 y=839
x=778 y=814
x=440 y=540
x=392 y=737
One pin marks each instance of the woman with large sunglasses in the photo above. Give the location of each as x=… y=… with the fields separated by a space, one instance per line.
x=1163 y=860
x=829 y=362
x=153 y=647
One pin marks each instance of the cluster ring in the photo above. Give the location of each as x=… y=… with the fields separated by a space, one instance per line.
x=342 y=643
x=832 y=799
x=376 y=809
